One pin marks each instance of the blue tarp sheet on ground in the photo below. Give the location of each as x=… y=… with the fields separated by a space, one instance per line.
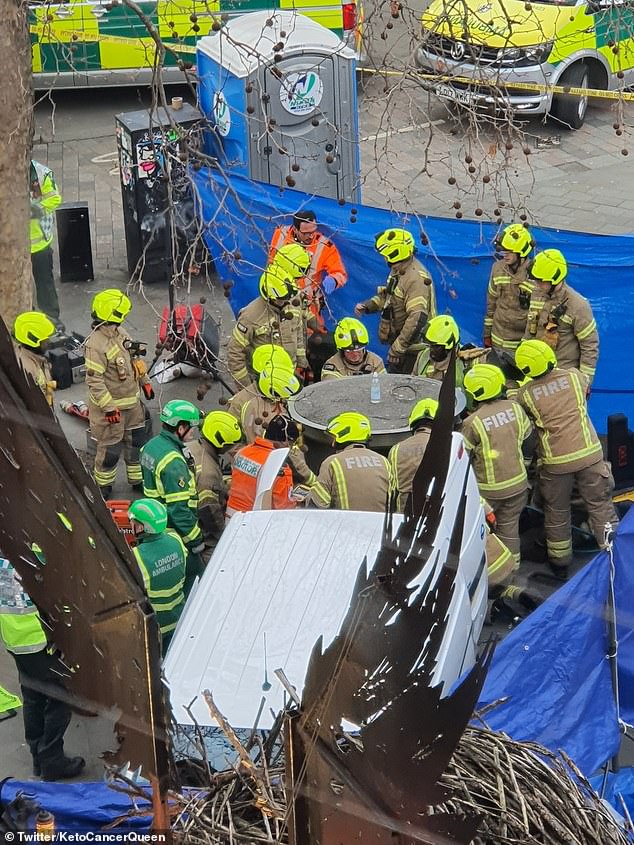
x=240 y=217
x=552 y=669
x=81 y=806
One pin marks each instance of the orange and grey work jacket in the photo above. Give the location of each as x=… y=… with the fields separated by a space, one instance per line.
x=325 y=260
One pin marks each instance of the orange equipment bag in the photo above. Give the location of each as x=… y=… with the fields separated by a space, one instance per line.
x=119 y=510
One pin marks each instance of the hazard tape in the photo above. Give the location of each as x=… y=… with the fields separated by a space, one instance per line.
x=81 y=36
x=573 y=91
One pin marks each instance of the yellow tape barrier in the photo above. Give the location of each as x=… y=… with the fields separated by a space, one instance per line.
x=624 y=96
x=77 y=36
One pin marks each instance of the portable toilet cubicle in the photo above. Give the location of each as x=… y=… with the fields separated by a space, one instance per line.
x=280 y=91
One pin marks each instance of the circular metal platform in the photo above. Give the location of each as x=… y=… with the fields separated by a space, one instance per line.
x=318 y=403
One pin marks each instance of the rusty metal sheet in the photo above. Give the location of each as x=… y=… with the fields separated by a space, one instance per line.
x=57 y=532
x=372 y=737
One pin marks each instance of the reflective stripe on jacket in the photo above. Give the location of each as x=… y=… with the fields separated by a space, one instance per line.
x=355 y=479
x=505 y=320
x=20 y=628
x=162 y=559
x=556 y=403
x=111 y=378
x=564 y=320
x=168 y=477
x=43 y=194
x=244 y=478
x=494 y=434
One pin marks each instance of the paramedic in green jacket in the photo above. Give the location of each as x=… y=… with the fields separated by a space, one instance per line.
x=162 y=559
x=169 y=476
x=45 y=711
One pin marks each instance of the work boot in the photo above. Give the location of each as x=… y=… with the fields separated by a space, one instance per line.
x=66 y=768
x=559 y=571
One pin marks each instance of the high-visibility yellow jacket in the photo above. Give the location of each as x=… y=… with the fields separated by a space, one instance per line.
x=20 y=628
x=44 y=200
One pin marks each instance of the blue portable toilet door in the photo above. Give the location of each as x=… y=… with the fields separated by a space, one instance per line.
x=301 y=107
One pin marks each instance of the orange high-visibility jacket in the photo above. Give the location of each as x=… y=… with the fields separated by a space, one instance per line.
x=244 y=478
x=325 y=261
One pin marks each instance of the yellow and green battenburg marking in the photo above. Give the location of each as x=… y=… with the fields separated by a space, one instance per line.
x=78 y=40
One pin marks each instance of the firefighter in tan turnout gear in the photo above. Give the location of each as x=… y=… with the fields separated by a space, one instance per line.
x=277 y=316
x=220 y=431
x=31 y=331
x=114 y=379
x=509 y=291
x=405 y=456
x=560 y=316
x=406 y=302
x=568 y=449
x=494 y=435
x=355 y=478
x=352 y=357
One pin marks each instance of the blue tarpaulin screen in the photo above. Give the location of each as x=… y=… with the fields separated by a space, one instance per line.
x=240 y=217
x=552 y=669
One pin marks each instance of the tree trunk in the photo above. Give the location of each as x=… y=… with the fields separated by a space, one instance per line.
x=16 y=109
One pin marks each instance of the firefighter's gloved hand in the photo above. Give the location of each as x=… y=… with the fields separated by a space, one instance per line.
x=359 y=309
x=488 y=342
x=329 y=285
x=491 y=521
x=148 y=391
x=393 y=358
x=113 y=417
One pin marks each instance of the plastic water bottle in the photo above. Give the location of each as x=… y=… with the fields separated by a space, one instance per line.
x=375 y=389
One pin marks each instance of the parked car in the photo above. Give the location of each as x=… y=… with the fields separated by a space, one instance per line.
x=578 y=43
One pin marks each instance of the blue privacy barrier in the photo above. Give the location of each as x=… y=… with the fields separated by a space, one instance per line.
x=552 y=669
x=619 y=785
x=240 y=217
x=81 y=806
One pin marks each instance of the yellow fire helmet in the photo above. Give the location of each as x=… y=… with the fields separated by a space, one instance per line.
x=111 y=306
x=350 y=333
x=534 y=358
x=293 y=260
x=221 y=428
x=395 y=245
x=484 y=382
x=424 y=409
x=349 y=427
x=31 y=328
x=275 y=283
x=269 y=355
x=549 y=266
x=442 y=331
x=515 y=238
x=278 y=383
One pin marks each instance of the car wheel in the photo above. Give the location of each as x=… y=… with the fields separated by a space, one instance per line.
x=567 y=109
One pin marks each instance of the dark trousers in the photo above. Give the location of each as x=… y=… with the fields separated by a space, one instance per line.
x=46 y=295
x=46 y=717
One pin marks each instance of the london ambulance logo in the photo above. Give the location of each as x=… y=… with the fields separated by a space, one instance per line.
x=222 y=115
x=301 y=93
